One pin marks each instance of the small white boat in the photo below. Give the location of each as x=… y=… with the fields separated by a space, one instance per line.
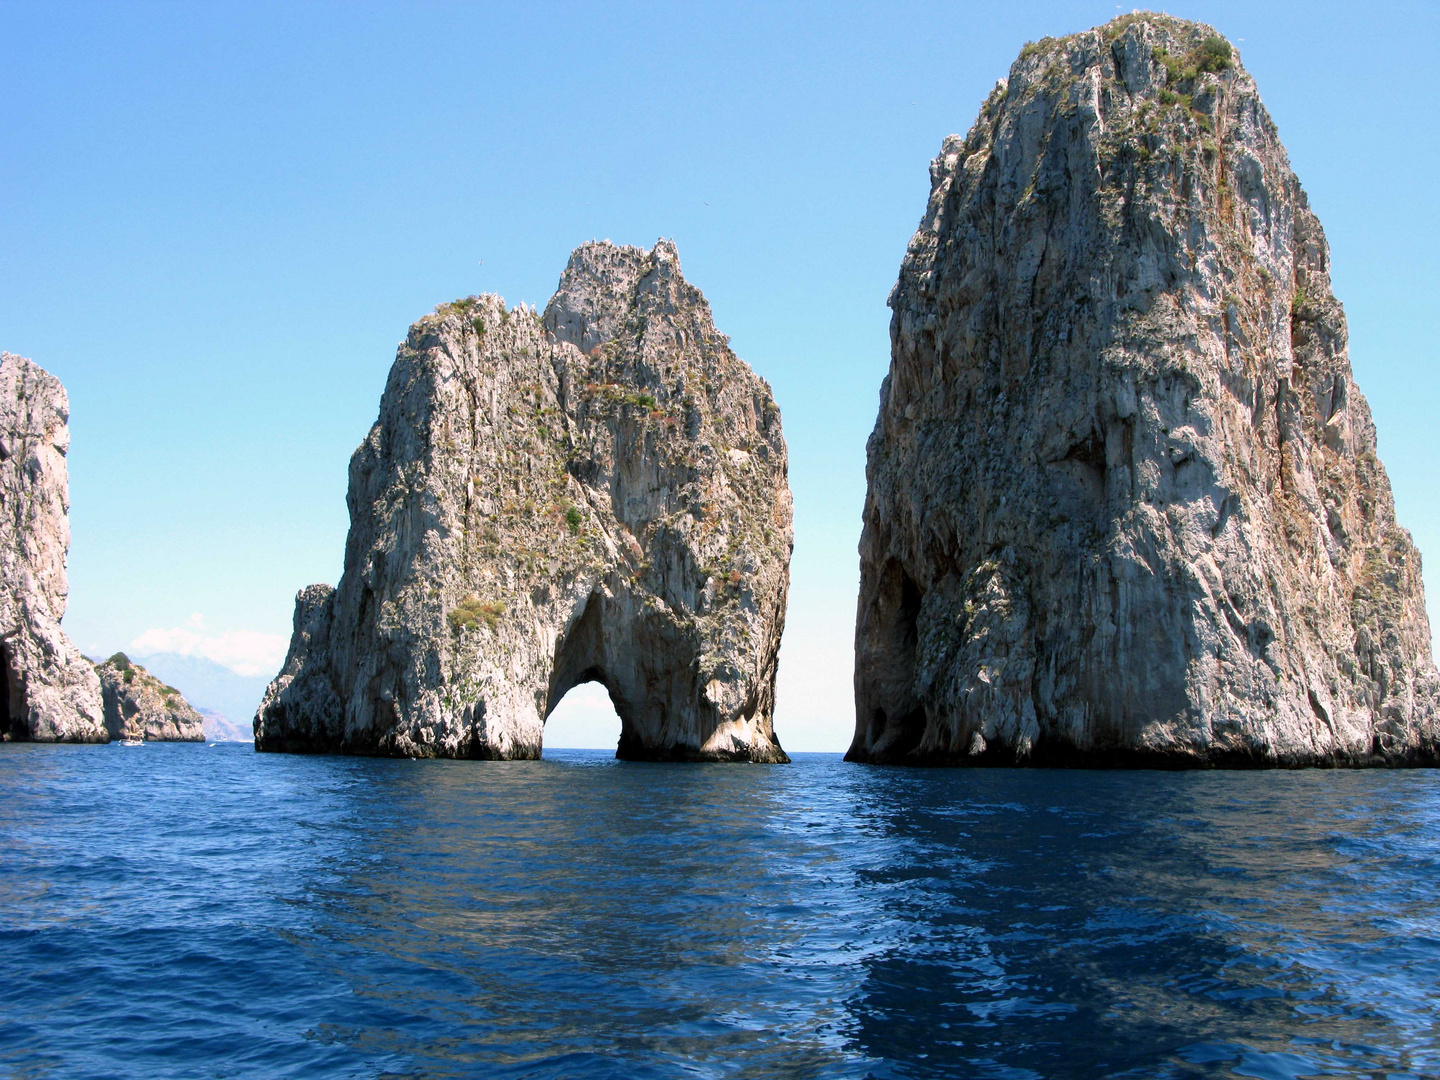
x=132 y=742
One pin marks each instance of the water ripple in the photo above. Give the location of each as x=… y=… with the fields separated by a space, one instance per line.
x=176 y=911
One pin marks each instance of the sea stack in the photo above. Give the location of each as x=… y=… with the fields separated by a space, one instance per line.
x=597 y=492
x=1124 y=506
x=138 y=706
x=48 y=691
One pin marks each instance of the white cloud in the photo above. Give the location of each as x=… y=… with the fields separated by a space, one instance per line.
x=245 y=652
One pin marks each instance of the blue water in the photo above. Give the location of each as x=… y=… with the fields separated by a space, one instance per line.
x=189 y=911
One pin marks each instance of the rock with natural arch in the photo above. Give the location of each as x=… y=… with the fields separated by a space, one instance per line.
x=48 y=691
x=597 y=492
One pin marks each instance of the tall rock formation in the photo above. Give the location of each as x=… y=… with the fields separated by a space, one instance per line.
x=48 y=691
x=595 y=493
x=1124 y=504
x=140 y=706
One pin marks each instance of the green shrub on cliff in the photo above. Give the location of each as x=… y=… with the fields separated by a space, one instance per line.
x=1214 y=54
x=471 y=611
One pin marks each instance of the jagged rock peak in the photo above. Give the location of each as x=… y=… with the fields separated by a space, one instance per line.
x=48 y=691
x=598 y=493
x=140 y=706
x=1124 y=504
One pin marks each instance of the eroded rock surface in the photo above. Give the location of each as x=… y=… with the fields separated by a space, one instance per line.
x=595 y=493
x=48 y=691
x=140 y=706
x=1124 y=504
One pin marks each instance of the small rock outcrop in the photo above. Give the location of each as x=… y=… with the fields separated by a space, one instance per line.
x=597 y=492
x=1124 y=505
x=48 y=691
x=140 y=706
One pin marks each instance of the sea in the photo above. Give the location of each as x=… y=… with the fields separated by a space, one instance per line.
x=189 y=910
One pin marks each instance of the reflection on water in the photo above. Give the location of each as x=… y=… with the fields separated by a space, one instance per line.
x=1159 y=924
x=185 y=910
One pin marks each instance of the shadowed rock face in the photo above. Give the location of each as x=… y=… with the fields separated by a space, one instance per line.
x=1124 y=505
x=48 y=691
x=140 y=706
x=598 y=493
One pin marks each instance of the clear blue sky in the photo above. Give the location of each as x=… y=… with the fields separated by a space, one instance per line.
x=216 y=221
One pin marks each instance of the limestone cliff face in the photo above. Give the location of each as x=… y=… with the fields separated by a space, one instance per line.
x=595 y=493
x=140 y=706
x=1124 y=504
x=48 y=691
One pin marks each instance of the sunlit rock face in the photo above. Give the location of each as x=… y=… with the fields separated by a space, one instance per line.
x=48 y=691
x=597 y=492
x=138 y=706
x=1124 y=505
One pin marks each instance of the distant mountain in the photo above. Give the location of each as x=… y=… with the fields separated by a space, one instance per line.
x=212 y=688
x=219 y=729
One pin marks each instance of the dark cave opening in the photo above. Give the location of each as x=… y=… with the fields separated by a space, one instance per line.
x=12 y=712
x=894 y=715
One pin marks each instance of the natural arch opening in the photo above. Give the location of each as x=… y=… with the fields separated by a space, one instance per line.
x=584 y=719
x=666 y=701
x=580 y=673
